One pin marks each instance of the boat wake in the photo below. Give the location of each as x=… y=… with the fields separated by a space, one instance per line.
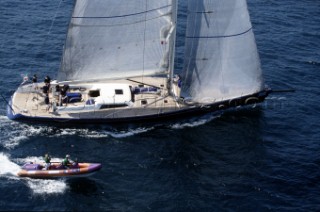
x=9 y=170
x=195 y=122
x=115 y=133
x=7 y=167
x=14 y=133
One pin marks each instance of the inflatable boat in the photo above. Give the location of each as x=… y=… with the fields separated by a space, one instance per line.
x=38 y=170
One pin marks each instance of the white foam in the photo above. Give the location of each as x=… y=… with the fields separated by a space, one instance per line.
x=7 y=167
x=96 y=136
x=66 y=132
x=13 y=142
x=42 y=186
x=35 y=159
x=16 y=132
x=129 y=133
x=115 y=134
x=195 y=123
x=31 y=130
x=5 y=118
x=13 y=133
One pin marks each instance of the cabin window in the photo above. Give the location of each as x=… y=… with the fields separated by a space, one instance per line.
x=112 y=106
x=165 y=101
x=118 y=91
x=94 y=93
x=144 y=102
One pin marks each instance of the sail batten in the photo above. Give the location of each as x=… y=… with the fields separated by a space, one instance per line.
x=121 y=16
x=221 y=36
x=221 y=59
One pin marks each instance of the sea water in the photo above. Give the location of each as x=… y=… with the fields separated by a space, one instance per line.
x=255 y=159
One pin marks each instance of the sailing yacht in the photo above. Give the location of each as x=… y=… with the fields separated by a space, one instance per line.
x=118 y=64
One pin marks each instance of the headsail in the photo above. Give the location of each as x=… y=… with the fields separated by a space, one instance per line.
x=221 y=59
x=112 y=38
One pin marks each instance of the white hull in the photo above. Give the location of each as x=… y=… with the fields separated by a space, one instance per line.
x=28 y=103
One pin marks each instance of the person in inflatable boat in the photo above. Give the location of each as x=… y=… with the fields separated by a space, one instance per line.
x=47 y=160
x=66 y=161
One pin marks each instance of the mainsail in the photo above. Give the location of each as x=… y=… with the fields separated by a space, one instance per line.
x=221 y=59
x=112 y=38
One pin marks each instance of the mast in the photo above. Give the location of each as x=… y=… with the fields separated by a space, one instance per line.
x=173 y=43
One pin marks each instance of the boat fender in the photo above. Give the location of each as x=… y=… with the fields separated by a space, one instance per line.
x=252 y=100
x=234 y=102
x=204 y=106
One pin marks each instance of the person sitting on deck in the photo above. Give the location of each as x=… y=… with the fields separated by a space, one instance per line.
x=47 y=160
x=63 y=93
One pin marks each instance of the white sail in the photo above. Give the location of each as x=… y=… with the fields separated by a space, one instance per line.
x=221 y=59
x=113 y=38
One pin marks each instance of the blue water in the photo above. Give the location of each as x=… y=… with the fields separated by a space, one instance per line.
x=255 y=159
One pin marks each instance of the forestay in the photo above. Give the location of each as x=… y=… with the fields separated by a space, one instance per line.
x=113 y=38
x=221 y=59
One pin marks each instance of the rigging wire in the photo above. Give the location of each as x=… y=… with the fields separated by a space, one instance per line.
x=49 y=32
x=47 y=36
x=144 y=40
x=8 y=104
x=51 y=26
x=187 y=70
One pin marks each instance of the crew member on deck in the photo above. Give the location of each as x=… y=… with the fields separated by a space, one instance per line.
x=35 y=81
x=47 y=102
x=47 y=80
x=45 y=89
